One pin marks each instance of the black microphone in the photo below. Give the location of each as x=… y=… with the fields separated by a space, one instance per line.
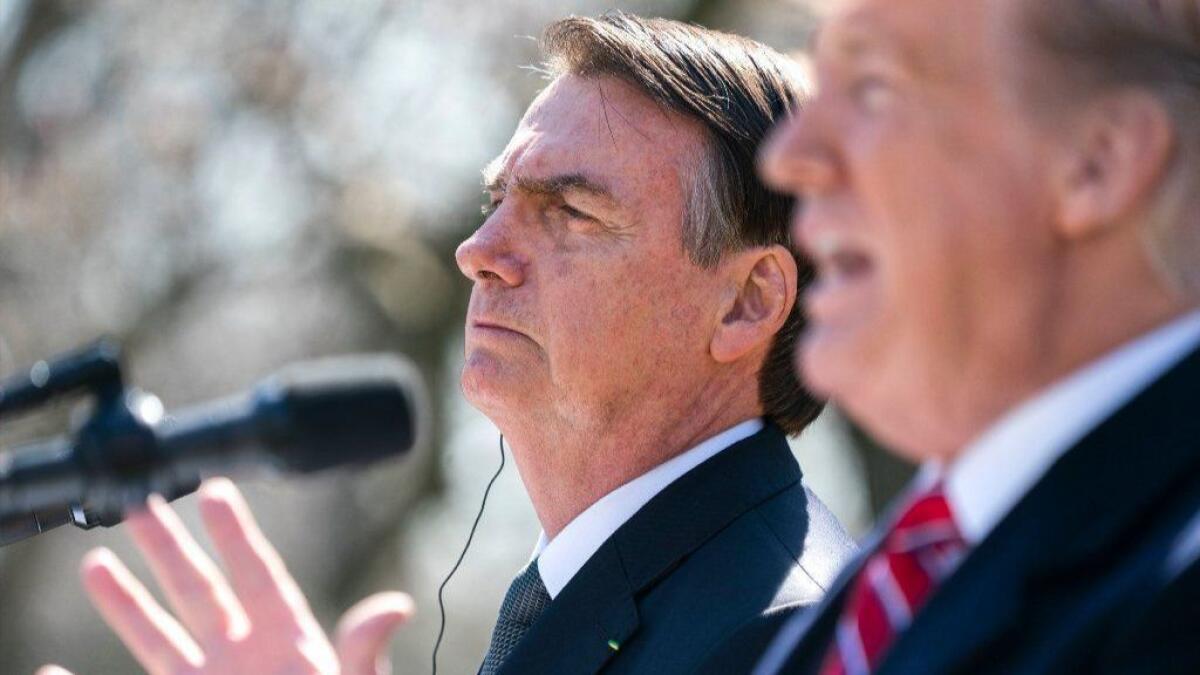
x=305 y=418
x=311 y=416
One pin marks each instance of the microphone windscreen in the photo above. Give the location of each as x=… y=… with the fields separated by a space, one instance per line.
x=341 y=410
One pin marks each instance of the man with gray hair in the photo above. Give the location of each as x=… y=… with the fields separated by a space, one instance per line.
x=630 y=332
x=1001 y=199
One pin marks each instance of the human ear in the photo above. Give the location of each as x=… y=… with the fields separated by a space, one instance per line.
x=1112 y=164
x=765 y=280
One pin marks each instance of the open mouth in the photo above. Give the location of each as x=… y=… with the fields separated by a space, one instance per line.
x=847 y=265
x=844 y=271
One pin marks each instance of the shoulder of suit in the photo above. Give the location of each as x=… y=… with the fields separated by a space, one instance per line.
x=809 y=531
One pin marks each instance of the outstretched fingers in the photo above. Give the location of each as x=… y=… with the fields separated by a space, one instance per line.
x=190 y=579
x=364 y=631
x=154 y=637
x=256 y=621
x=256 y=571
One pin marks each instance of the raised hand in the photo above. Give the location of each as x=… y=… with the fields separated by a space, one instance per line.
x=255 y=622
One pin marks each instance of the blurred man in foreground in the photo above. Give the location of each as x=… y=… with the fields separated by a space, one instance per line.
x=1001 y=198
x=630 y=332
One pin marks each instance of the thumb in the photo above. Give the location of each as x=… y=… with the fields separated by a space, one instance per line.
x=52 y=670
x=364 y=631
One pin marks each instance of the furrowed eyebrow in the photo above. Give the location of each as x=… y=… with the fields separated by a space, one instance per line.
x=551 y=186
x=492 y=176
x=555 y=185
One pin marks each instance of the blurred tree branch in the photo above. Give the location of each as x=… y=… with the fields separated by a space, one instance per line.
x=37 y=20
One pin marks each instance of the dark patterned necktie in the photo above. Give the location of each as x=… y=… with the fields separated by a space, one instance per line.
x=525 y=601
x=922 y=549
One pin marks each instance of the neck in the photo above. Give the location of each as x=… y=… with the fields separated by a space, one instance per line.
x=567 y=465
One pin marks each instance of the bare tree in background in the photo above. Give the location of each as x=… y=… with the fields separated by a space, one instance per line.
x=228 y=186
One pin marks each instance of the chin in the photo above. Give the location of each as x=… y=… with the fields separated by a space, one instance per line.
x=898 y=417
x=892 y=427
x=840 y=370
x=488 y=384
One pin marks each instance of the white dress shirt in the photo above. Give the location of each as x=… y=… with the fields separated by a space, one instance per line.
x=1002 y=464
x=560 y=558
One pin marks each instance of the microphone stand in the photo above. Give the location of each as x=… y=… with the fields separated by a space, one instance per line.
x=117 y=438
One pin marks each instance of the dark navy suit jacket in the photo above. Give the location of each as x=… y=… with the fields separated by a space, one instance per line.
x=733 y=538
x=1074 y=579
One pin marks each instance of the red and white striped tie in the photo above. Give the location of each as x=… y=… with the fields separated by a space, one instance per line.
x=923 y=547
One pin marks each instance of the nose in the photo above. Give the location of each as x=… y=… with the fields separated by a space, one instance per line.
x=487 y=256
x=795 y=159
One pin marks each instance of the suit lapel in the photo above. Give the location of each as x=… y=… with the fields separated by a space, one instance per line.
x=596 y=613
x=1076 y=517
x=577 y=632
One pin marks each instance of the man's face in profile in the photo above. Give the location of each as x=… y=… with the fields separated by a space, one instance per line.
x=925 y=209
x=584 y=300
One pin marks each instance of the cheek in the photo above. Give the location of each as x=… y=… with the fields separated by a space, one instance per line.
x=574 y=298
x=636 y=320
x=956 y=269
x=561 y=270
x=930 y=203
x=683 y=316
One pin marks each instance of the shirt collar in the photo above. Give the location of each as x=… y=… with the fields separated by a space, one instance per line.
x=1004 y=462
x=560 y=558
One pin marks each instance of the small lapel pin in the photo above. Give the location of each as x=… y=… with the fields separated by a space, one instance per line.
x=614 y=645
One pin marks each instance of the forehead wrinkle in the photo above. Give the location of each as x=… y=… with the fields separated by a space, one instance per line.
x=505 y=171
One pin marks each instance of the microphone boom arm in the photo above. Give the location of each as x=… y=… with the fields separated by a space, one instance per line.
x=308 y=417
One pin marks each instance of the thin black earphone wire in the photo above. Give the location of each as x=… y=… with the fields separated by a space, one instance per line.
x=441 y=589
